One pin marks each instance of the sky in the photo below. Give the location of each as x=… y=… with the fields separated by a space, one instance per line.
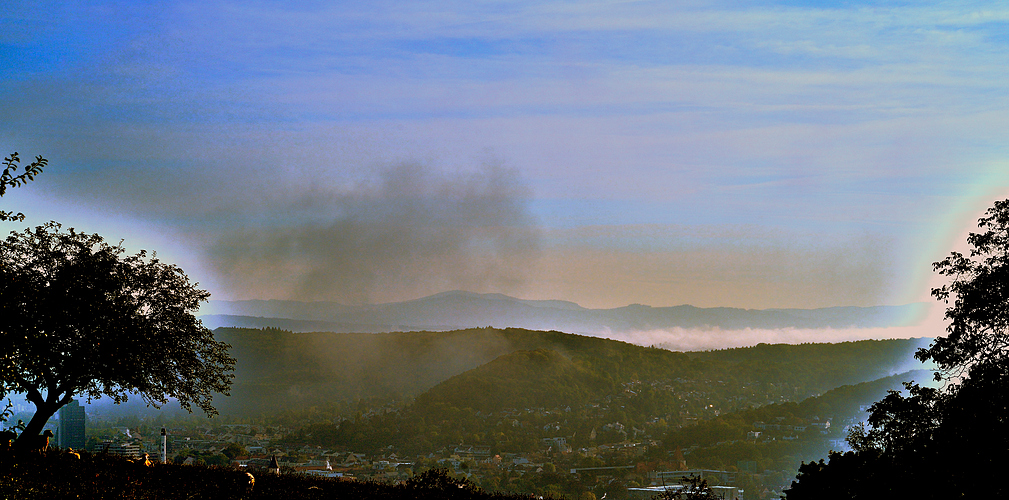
x=742 y=154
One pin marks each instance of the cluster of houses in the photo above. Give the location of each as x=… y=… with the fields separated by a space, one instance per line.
x=259 y=449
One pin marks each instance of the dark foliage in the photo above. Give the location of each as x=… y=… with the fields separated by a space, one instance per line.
x=900 y=425
x=948 y=443
x=80 y=318
x=845 y=476
x=437 y=483
x=96 y=476
x=57 y=474
x=12 y=179
x=694 y=488
x=929 y=444
x=979 y=316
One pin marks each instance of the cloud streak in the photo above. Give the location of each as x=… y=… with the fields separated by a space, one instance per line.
x=861 y=126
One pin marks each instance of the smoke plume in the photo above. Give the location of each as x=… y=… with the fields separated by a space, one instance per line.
x=412 y=232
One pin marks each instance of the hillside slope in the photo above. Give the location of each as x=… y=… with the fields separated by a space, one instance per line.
x=280 y=369
x=521 y=379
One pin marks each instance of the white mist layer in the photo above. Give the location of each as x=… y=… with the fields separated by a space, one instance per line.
x=702 y=339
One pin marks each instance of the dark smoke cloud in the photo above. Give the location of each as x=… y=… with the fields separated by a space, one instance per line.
x=414 y=231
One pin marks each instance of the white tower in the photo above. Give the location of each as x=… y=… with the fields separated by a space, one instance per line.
x=164 y=445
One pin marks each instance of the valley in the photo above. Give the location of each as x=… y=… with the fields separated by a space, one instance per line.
x=518 y=410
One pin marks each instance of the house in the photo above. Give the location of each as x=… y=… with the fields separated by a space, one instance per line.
x=557 y=444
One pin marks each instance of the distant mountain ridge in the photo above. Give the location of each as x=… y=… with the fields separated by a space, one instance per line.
x=459 y=309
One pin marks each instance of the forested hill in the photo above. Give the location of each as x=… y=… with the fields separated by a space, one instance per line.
x=821 y=366
x=277 y=369
x=280 y=368
x=846 y=401
x=754 y=375
x=523 y=379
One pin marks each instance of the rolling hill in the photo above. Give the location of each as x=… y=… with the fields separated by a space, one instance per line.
x=283 y=369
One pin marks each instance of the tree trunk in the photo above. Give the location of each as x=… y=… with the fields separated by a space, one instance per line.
x=26 y=441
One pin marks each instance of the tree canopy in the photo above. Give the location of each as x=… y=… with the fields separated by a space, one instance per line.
x=80 y=317
x=978 y=330
x=949 y=442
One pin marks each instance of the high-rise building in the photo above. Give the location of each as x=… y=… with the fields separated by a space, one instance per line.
x=71 y=431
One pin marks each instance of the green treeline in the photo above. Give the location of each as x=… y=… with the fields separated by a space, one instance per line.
x=842 y=401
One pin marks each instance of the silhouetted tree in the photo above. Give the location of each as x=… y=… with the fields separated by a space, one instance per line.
x=936 y=443
x=81 y=318
x=901 y=425
x=978 y=330
x=9 y=178
x=845 y=476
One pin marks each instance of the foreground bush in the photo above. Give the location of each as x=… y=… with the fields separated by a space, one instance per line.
x=58 y=475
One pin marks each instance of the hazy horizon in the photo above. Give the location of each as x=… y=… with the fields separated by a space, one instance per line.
x=544 y=300
x=753 y=155
x=670 y=328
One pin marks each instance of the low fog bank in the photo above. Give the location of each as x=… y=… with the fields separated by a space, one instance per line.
x=686 y=339
x=706 y=340
x=928 y=325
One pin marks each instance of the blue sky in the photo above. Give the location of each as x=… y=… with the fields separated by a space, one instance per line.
x=747 y=154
